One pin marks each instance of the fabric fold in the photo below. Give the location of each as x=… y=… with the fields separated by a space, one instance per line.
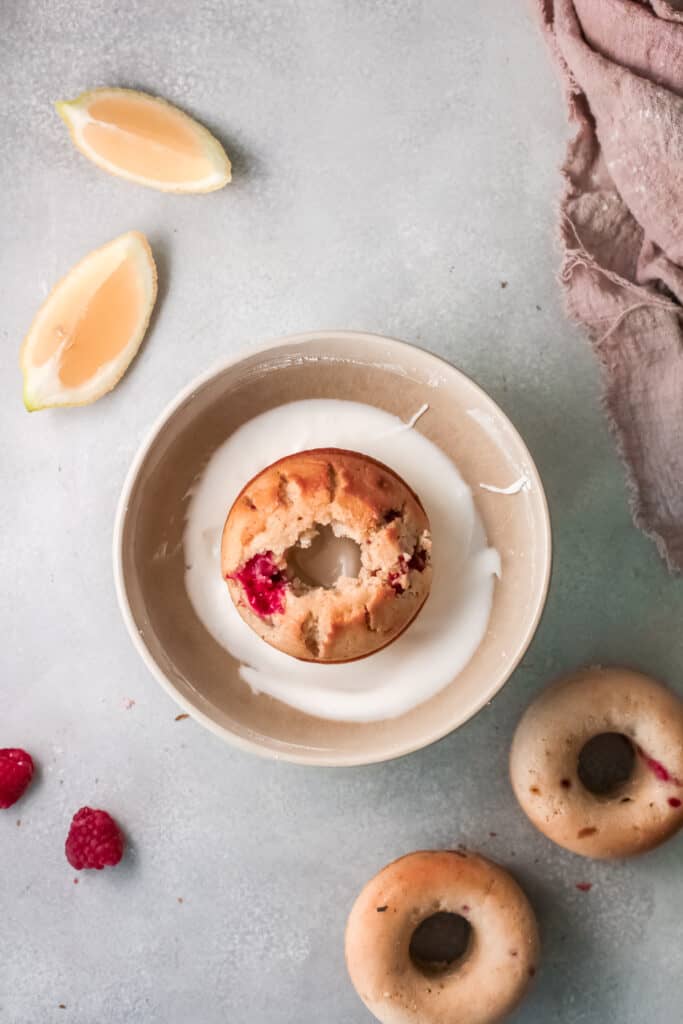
x=621 y=226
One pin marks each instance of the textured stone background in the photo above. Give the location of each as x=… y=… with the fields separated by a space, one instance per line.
x=395 y=162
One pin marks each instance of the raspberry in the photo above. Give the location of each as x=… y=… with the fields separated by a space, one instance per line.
x=16 y=771
x=264 y=584
x=94 y=840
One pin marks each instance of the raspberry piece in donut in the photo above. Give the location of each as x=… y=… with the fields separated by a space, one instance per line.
x=270 y=550
x=263 y=584
x=441 y=936
x=597 y=763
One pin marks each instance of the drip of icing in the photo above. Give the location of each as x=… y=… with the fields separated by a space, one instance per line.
x=448 y=630
x=523 y=484
x=415 y=417
x=400 y=427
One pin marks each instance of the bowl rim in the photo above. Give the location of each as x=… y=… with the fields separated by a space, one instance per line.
x=313 y=758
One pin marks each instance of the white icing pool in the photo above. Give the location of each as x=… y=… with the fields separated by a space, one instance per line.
x=451 y=625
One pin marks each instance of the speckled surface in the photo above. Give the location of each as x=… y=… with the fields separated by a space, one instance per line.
x=395 y=163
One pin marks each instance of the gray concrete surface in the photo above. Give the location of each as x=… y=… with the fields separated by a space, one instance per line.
x=395 y=163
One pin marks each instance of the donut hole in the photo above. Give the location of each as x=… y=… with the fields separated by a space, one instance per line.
x=320 y=557
x=440 y=942
x=606 y=763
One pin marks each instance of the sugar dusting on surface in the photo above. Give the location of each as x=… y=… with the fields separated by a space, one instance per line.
x=449 y=628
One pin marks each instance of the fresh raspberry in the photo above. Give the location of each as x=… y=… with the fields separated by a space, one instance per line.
x=94 y=840
x=16 y=771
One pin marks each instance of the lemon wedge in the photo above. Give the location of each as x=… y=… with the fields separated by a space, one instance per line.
x=146 y=140
x=89 y=329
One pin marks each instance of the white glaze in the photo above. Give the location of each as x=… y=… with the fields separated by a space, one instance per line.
x=448 y=630
x=523 y=484
x=489 y=425
x=416 y=416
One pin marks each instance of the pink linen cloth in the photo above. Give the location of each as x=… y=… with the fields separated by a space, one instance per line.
x=622 y=232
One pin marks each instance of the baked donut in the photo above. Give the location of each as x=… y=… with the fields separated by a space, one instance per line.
x=280 y=513
x=615 y=805
x=402 y=983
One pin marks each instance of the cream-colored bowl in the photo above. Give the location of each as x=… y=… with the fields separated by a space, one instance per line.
x=148 y=537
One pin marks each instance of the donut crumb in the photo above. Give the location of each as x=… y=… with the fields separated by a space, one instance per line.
x=583 y=832
x=625 y=800
x=535 y=790
x=380 y=910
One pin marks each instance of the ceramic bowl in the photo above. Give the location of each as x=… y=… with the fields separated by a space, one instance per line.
x=148 y=538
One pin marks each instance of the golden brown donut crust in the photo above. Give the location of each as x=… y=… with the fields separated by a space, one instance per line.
x=646 y=809
x=491 y=977
x=359 y=498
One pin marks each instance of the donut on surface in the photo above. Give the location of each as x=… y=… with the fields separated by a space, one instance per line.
x=283 y=508
x=490 y=977
x=642 y=810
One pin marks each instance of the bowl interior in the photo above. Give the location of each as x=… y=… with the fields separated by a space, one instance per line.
x=149 y=559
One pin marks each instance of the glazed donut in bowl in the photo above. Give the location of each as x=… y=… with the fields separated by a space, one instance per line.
x=441 y=936
x=597 y=763
x=282 y=512
x=200 y=666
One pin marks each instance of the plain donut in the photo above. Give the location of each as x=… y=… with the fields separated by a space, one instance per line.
x=482 y=986
x=647 y=808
